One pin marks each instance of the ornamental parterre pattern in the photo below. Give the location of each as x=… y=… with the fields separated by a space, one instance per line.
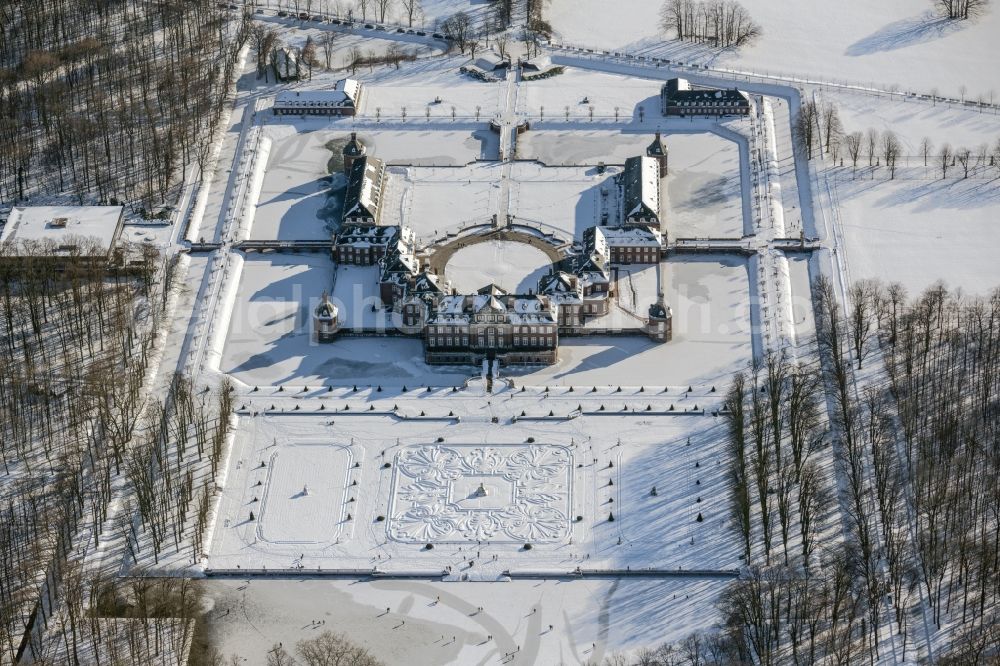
x=443 y=494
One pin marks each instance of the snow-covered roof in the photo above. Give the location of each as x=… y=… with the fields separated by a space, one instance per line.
x=538 y=63
x=641 y=185
x=399 y=263
x=490 y=60
x=366 y=235
x=630 y=236
x=65 y=228
x=428 y=283
x=344 y=94
x=556 y=283
x=523 y=309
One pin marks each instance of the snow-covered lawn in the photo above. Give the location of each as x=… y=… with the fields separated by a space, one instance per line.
x=436 y=146
x=515 y=267
x=554 y=146
x=919 y=232
x=710 y=299
x=890 y=42
x=703 y=188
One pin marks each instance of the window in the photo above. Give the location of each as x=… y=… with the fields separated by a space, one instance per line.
x=517 y=340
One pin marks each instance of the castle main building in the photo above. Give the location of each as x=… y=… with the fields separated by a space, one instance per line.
x=492 y=323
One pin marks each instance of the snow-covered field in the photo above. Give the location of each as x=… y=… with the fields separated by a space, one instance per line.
x=912 y=121
x=554 y=146
x=703 y=196
x=418 y=86
x=513 y=266
x=919 y=232
x=889 y=42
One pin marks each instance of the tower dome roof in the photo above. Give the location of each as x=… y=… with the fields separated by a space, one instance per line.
x=354 y=147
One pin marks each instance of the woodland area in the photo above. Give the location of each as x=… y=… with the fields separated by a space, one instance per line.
x=914 y=427
x=78 y=430
x=110 y=101
x=721 y=23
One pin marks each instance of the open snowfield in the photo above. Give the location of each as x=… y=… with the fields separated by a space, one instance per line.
x=564 y=199
x=890 y=42
x=515 y=267
x=590 y=618
x=919 y=232
x=710 y=299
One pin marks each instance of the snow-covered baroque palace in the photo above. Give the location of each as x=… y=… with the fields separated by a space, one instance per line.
x=491 y=323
